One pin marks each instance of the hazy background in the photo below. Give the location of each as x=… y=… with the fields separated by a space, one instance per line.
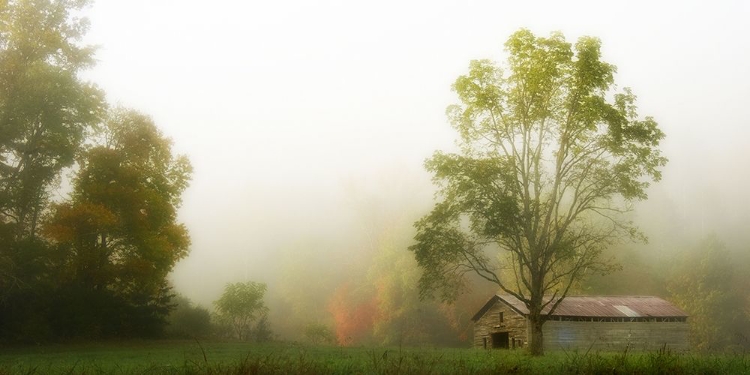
x=307 y=122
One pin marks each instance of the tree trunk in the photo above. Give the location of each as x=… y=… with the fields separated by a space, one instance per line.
x=536 y=345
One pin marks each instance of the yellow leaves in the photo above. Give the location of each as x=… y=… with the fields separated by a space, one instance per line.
x=72 y=221
x=119 y=232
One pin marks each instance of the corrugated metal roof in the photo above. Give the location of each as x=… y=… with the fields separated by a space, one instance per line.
x=598 y=307
x=606 y=306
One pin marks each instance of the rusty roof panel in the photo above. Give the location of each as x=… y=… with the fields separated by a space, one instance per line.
x=606 y=306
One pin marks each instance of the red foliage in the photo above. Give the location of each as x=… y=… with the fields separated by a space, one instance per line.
x=353 y=320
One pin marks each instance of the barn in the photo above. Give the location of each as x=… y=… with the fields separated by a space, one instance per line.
x=585 y=322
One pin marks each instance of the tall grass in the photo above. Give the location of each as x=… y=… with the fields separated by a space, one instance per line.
x=288 y=358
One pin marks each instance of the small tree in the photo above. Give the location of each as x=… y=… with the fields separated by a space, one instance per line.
x=240 y=305
x=550 y=162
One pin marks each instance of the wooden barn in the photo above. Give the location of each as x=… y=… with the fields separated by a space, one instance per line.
x=596 y=322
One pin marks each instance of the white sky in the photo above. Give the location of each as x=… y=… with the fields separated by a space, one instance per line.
x=281 y=105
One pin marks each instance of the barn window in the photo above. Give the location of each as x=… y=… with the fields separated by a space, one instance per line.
x=501 y=316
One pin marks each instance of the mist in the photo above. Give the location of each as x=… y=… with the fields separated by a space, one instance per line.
x=308 y=123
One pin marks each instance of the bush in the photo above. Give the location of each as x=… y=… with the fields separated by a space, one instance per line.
x=188 y=320
x=262 y=331
x=319 y=333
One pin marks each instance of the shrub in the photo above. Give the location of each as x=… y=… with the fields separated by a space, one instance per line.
x=188 y=320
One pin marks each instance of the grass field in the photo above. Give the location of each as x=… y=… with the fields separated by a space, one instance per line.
x=186 y=357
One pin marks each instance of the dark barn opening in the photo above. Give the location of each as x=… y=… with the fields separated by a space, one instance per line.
x=500 y=340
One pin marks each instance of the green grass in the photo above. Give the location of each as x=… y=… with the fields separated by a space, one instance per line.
x=185 y=357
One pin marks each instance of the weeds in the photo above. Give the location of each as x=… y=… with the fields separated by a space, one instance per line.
x=241 y=359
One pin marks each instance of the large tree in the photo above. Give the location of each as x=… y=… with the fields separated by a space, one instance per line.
x=118 y=237
x=45 y=109
x=551 y=160
x=45 y=112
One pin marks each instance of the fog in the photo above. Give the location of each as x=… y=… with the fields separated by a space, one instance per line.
x=308 y=122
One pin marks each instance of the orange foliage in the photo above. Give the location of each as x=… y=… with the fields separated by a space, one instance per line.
x=353 y=320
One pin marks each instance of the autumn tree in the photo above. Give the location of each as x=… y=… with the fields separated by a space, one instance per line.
x=354 y=315
x=240 y=305
x=550 y=161
x=118 y=237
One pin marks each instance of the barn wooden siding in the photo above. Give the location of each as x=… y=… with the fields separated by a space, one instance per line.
x=615 y=336
x=607 y=323
x=489 y=323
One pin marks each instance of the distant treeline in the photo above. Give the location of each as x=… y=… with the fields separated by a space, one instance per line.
x=706 y=278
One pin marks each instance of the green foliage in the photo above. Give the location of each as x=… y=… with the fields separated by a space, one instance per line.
x=118 y=235
x=705 y=284
x=187 y=320
x=319 y=334
x=375 y=298
x=96 y=265
x=262 y=331
x=190 y=357
x=637 y=276
x=124 y=207
x=46 y=111
x=302 y=292
x=402 y=317
x=240 y=305
x=551 y=159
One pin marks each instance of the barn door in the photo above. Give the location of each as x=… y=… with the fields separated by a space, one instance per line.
x=500 y=340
